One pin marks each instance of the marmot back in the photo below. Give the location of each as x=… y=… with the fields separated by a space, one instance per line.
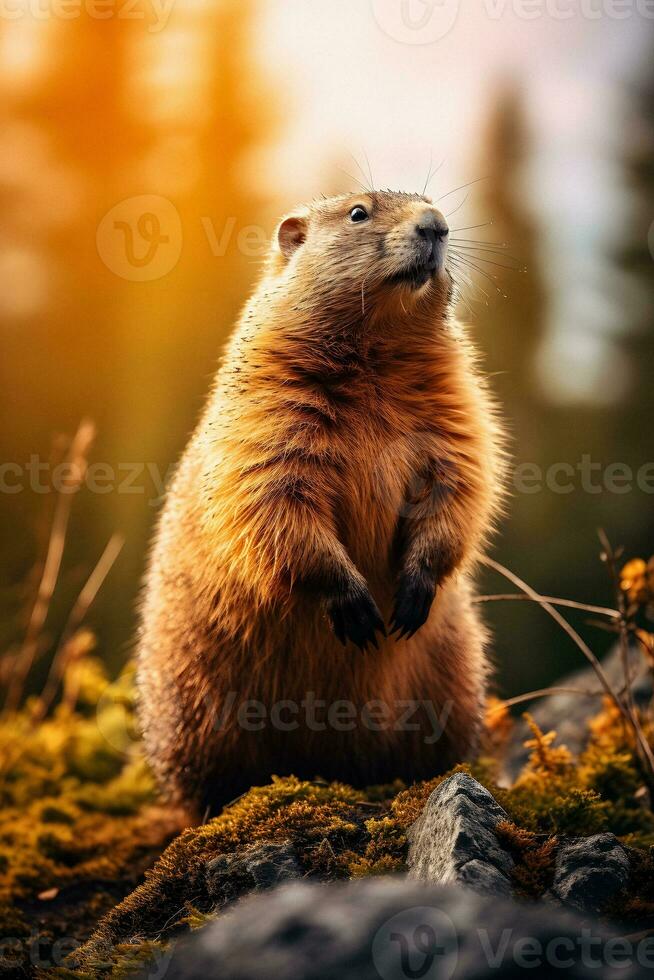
x=307 y=605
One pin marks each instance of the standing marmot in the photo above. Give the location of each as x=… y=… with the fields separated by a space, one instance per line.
x=344 y=476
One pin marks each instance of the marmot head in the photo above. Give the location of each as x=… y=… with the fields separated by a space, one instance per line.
x=363 y=252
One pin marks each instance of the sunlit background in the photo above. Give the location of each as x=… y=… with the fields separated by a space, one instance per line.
x=145 y=152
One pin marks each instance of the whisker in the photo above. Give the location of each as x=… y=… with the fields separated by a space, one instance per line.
x=478 y=241
x=490 y=249
x=454 y=210
x=363 y=299
x=462 y=297
x=372 y=182
x=469 y=282
x=430 y=175
x=463 y=270
x=499 y=265
x=355 y=179
x=369 y=187
x=466 y=260
x=482 y=272
x=484 y=224
x=464 y=279
x=461 y=187
x=494 y=249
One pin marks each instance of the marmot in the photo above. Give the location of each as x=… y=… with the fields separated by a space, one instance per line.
x=307 y=604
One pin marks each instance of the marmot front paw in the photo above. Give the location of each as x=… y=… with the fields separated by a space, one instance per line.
x=354 y=616
x=413 y=599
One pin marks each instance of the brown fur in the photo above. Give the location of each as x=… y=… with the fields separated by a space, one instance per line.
x=349 y=450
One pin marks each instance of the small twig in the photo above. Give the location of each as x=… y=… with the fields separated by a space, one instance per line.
x=597 y=624
x=544 y=692
x=76 y=461
x=570 y=603
x=608 y=557
x=643 y=749
x=564 y=624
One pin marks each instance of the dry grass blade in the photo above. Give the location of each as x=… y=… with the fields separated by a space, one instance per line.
x=76 y=463
x=77 y=615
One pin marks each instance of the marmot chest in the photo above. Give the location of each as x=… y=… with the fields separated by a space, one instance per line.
x=370 y=496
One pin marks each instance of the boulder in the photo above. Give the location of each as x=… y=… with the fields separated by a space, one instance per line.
x=590 y=871
x=394 y=928
x=257 y=868
x=454 y=839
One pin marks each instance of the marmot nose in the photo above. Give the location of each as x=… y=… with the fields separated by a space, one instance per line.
x=432 y=228
x=433 y=231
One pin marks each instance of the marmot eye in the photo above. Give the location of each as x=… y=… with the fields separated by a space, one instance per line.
x=358 y=213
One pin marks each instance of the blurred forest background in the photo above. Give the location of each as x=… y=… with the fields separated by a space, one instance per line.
x=97 y=111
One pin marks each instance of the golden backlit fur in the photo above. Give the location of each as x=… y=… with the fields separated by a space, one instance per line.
x=347 y=464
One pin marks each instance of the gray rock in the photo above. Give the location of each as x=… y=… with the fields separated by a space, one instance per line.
x=394 y=928
x=590 y=871
x=257 y=868
x=484 y=879
x=568 y=714
x=454 y=838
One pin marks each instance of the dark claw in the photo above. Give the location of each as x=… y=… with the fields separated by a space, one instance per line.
x=354 y=616
x=413 y=599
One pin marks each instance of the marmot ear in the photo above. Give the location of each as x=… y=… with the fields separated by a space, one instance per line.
x=291 y=233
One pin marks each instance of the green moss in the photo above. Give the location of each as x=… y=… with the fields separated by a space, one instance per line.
x=53 y=813
x=534 y=855
x=79 y=818
x=384 y=852
x=336 y=835
x=82 y=834
x=327 y=824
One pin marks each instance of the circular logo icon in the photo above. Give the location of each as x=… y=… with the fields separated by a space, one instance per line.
x=416 y=21
x=140 y=239
x=417 y=944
